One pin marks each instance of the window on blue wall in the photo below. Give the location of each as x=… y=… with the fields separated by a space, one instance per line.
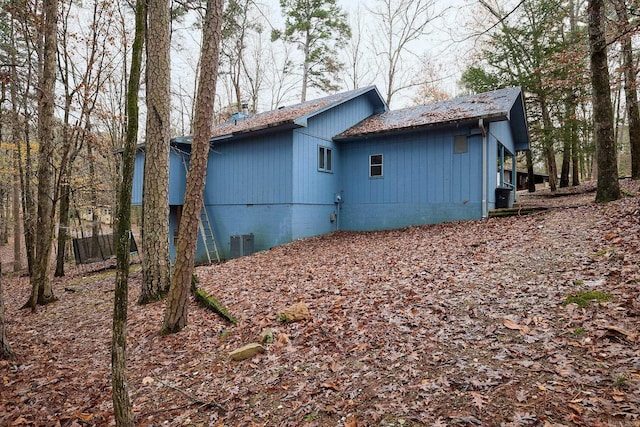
x=460 y=144
x=375 y=165
x=324 y=159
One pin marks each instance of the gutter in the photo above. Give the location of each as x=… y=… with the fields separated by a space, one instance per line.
x=483 y=131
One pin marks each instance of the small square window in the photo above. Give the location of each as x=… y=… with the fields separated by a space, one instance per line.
x=324 y=159
x=375 y=165
x=460 y=144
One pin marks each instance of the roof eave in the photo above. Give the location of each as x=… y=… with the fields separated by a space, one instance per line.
x=487 y=117
x=257 y=130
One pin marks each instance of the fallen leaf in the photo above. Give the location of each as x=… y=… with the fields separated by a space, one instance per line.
x=332 y=386
x=510 y=324
x=84 y=416
x=351 y=421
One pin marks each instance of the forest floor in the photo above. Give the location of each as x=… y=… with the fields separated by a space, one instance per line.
x=460 y=324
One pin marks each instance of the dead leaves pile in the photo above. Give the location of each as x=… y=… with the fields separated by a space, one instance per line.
x=454 y=324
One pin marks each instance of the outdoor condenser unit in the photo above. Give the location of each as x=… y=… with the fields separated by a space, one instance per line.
x=241 y=245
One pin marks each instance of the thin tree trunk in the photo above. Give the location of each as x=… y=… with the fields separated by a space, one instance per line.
x=120 y=389
x=155 y=222
x=608 y=187
x=550 y=154
x=42 y=291
x=175 y=318
x=17 y=237
x=531 y=178
x=24 y=173
x=566 y=159
x=305 y=70
x=630 y=89
x=575 y=155
x=63 y=229
x=5 y=348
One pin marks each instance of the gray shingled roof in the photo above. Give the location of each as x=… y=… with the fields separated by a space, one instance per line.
x=290 y=115
x=490 y=105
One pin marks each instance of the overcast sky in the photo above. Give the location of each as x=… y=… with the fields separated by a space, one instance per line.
x=440 y=45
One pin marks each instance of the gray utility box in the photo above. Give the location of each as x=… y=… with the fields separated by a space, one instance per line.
x=241 y=245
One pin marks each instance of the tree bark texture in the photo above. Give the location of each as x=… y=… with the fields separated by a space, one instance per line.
x=17 y=236
x=5 y=348
x=42 y=291
x=630 y=88
x=175 y=318
x=24 y=173
x=63 y=230
x=608 y=187
x=155 y=222
x=120 y=390
x=549 y=151
x=531 y=178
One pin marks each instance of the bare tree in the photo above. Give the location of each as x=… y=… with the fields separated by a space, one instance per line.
x=608 y=188
x=630 y=85
x=280 y=76
x=42 y=290
x=175 y=318
x=398 y=24
x=120 y=394
x=359 y=72
x=83 y=69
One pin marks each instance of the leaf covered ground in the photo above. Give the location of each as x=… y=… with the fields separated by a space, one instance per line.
x=459 y=324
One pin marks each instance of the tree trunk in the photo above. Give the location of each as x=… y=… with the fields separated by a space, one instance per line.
x=17 y=238
x=175 y=318
x=120 y=390
x=531 y=178
x=5 y=349
x=155 y=222
x=630 y=89
x=63 y=229
x=550 y=154
x=41 y=289
x=608 y=187
x=566 y=159
x=23 y=174
x=305 y=69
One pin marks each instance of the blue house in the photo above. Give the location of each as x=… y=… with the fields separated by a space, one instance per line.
x=346 y=162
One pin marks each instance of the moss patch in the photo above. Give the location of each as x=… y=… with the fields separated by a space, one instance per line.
x=583 y=299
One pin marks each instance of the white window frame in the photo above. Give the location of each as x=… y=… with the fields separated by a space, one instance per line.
x=376 y=165
x=325 y=158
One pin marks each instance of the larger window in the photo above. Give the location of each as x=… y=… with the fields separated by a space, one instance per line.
x=324 y=159
x=375 y=165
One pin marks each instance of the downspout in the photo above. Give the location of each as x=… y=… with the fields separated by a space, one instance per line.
x=483 y=131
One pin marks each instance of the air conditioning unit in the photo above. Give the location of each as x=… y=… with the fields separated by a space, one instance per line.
x=241 y=245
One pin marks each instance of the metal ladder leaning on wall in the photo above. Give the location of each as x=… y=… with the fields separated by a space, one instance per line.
x=204 y=225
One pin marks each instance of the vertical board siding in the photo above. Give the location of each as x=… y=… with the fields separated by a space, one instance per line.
x=250 y=171
x=311 y=186
x=177 y=178
x=423 y=180
x=138 y=177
